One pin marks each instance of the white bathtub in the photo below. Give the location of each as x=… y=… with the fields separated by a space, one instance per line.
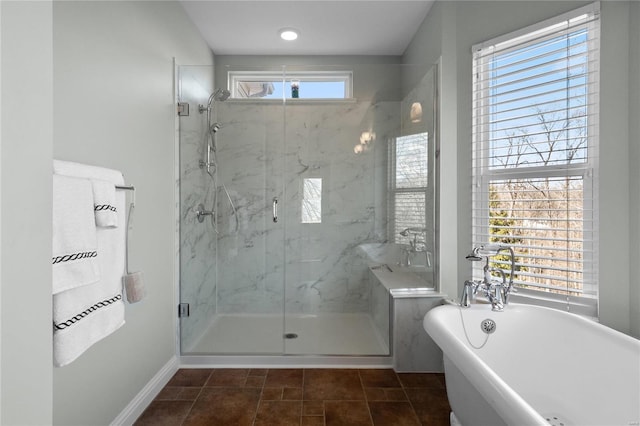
x=539 y=367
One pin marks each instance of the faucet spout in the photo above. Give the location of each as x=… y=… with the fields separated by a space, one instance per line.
x=468 y=292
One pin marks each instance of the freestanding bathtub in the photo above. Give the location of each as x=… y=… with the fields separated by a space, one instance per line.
x=539 y=366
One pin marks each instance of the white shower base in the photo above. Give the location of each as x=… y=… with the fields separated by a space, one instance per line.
x=321 y=334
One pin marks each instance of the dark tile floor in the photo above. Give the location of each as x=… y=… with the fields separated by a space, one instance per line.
x=301 y=397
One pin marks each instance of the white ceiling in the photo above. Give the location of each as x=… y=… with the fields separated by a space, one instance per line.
x=327 y=27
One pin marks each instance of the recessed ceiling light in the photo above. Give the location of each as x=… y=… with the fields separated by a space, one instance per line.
x=288 y=34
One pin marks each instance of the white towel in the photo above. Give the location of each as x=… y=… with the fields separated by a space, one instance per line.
x=104 y=203
x=85 y=315
x=104 y=191
x=74 y=262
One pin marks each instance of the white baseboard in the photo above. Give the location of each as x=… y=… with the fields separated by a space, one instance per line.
x=142 y=400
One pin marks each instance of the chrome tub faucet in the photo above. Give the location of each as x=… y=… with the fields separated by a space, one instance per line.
x=496 y=292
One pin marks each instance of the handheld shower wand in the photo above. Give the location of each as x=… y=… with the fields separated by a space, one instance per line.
x=210 y=163
x=220 y=95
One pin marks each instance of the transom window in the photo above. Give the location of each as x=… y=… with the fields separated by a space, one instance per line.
x=290 y=85
x=535 y=156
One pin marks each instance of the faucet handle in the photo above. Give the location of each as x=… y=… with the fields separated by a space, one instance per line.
x=496 y=294
x=405 y=260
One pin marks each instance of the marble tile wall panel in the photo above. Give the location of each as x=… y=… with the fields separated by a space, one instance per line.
x=324 y=272
x=319 y=266
x=379 y=307
x=249 y=152
x=413 y=348
x=197 y=240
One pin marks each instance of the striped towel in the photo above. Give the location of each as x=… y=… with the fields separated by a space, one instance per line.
x=74 y=248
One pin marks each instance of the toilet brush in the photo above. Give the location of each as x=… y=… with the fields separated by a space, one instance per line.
x=133 y=281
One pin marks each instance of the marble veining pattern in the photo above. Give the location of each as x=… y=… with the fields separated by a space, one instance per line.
x=261 y=158
x=413 y=349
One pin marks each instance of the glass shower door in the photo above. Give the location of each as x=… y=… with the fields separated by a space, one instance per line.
x=250 y=234
x=347 y=208
x=335 y=172
x=231 y=273
x=307 y=197
x=330 y=210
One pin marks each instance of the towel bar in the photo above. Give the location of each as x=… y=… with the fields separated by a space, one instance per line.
x=128 y=188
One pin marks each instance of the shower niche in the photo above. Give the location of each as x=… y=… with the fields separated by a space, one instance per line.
x=297 y=194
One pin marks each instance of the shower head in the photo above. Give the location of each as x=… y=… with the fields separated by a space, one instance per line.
x=219 y=95
x=215 y=127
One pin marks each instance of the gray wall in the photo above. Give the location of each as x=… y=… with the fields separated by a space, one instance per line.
x=463 y=24
x=374 y=77
x=25 y=203
x=433 y=43
x=114 y=107
x=615 y=180
x=634 y=158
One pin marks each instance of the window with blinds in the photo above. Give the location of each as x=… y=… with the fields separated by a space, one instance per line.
x=407 y=184
x=535 y=156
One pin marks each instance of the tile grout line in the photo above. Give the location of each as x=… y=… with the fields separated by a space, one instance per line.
x=196 y=398
x=255 y=414
x=404 y=390
x=366 y=401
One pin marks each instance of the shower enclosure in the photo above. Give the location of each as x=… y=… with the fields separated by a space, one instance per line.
x=276 y=238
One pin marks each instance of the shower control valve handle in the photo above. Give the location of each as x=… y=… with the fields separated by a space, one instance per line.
x=201 y=213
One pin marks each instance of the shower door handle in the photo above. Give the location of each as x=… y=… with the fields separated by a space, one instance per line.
x=275 y=209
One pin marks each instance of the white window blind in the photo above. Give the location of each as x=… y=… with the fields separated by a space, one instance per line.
x=407 y=184
x=535 y=156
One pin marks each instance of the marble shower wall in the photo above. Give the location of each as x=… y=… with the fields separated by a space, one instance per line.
x=324 y=271
x=267 y=150
x=197 y=240
x=250 y=249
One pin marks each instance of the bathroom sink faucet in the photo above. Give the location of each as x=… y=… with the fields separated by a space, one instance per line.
x=496 y=292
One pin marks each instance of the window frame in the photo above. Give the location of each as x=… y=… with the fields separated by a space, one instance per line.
x=483 y=174
x=394 y=190
x=307 y=184
x=234 y=77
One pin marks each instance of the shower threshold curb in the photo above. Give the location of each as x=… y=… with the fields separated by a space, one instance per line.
x=285 y=361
